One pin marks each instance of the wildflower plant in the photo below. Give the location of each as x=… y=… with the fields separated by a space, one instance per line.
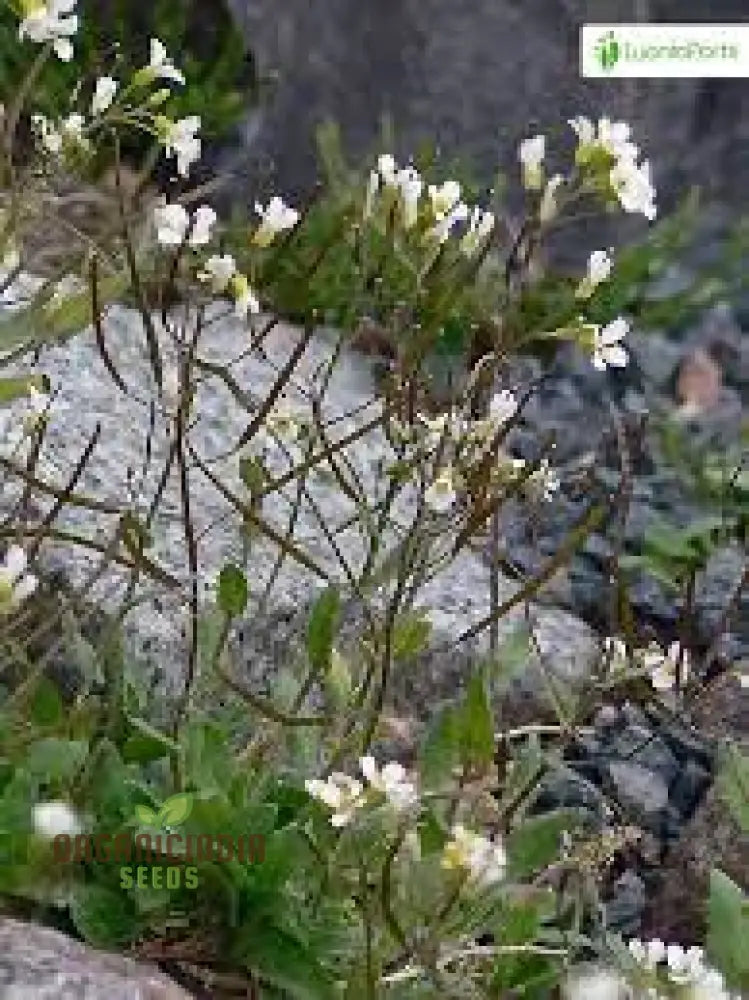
x=379 y=877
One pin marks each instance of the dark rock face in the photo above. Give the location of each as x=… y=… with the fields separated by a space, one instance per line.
x=473 y=78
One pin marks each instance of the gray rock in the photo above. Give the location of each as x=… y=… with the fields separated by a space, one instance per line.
x=457 y=597
x=638 y=788
x=624 y=909
x=656 y=356
x=37 y=963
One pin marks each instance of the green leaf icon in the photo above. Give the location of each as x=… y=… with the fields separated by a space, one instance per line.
x=175 y=810
x=145 y=815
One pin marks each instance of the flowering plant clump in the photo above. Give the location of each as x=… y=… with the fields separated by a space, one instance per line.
x=420 y=869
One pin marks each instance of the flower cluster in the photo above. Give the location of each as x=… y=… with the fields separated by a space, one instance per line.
x=609 y=145
x=444 y=206
x=683 y=968
x=470 y=440
x=345 y=795
x=50 y=21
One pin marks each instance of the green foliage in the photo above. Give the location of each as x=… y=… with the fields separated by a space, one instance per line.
x=728 y=930
x=733 y=785
x=222 y=82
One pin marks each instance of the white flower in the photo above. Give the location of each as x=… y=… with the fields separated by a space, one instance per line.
x=172 y=223
x=340 y=793
x=55 y=819
x=710 y=985
x=594 y=984
x=584 y=129
x=484 y=860
x=106 y=88
x=218 y=271
x=607 y=347
x=531 y=154
x=647 y=953
x=444 y=198
x=245 y=300
x=162 y=66
x=203 y=222
x=441 y=495
x=548 y=209
x=51 y=21
x=387 y=168
x=392 y=781
x=664 y=667
x=614 y=138
x=599 y=269
x=441 y=231
x=685 y=965
x=16 y=584
x=610 y=137
x=634 y=187
x=616 y=655
x=180 y=139
x=73 y=129
x=480 y=225
x=275 y=218
x=442 y=428
x=49 y=136
x=406 y=182
x=502 y=407
x=410 y=186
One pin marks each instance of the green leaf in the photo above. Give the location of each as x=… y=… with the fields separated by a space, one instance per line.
x=338 y=680
x=145 y=815
x=232 y=590
x=322 y=629
x=728 y=930
x=440 y=752
x=253 y=475
x=105 y=918
x=536 y=842
x=285 y=962
x=14 y=388
x=410 y=635
x=175 y=810
x=56 y=759
x=512 y=656
x=142 y=749
x=46 y=705
x=733 y=785
x=148 y=738
x=477 y=726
